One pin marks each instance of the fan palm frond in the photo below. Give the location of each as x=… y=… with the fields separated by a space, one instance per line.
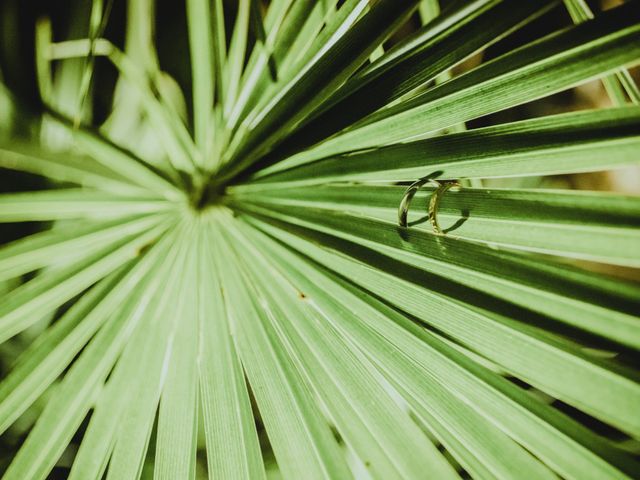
x=234 y=286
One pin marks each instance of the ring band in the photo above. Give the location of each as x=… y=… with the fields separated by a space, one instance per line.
x=403 y=209
x=434 y=204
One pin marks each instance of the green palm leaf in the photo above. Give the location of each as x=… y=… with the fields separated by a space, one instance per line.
x=228 y=294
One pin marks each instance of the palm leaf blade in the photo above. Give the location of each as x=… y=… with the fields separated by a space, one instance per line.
x=237 y=288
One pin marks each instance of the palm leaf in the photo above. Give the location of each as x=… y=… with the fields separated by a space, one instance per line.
x=230 y=294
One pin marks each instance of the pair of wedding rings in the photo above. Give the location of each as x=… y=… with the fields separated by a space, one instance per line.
x=441 y=187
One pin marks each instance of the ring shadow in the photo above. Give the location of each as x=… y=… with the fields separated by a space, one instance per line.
x=464 y=216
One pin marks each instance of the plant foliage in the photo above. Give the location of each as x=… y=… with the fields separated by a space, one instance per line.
x=227 y=281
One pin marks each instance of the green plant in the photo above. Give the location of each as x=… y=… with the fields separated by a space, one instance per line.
x=249 y=282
